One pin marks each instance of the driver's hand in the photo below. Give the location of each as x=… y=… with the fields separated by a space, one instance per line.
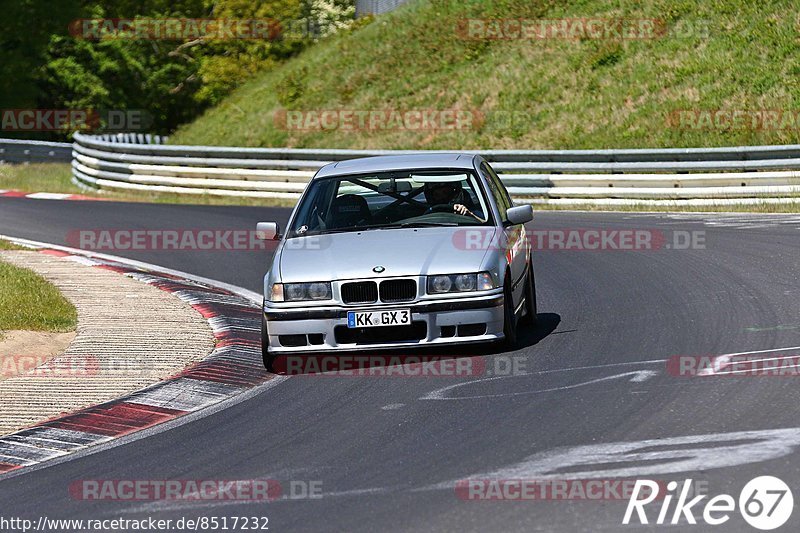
x=460 y=209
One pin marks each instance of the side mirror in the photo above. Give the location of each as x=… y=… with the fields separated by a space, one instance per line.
x=520 y=214
x=266 y=231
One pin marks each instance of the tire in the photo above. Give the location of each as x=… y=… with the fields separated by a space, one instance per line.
x=530 y=297
x=269 y=358
x=509 y=319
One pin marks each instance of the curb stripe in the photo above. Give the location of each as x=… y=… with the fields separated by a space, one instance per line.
x=185 y=394
x=26 y=453
x=42 y=443
x=234 y=366
x=76 y=439
x=117 y=419
x=56 y=253
x=7 y=467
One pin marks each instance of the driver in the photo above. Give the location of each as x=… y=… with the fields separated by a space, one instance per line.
x=447 y=194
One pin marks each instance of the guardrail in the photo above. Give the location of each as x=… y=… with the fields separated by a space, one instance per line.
x=701 y=176
x=24 y=151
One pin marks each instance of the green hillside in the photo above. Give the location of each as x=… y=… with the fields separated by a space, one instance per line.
x=704 y=56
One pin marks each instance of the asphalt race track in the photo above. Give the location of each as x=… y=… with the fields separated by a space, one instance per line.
x=388 y=451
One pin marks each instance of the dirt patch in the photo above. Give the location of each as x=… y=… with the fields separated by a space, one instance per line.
x=23 y=351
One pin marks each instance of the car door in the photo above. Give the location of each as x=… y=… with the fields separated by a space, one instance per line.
x=514 y=237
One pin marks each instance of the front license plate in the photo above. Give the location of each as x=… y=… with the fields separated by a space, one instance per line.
x=371 y=319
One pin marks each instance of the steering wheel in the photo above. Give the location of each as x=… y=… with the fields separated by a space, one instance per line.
x=441 y=208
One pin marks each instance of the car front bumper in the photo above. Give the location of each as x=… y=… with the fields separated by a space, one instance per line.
x=441 y=319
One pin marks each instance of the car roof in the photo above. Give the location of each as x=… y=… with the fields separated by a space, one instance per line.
x=386 y=163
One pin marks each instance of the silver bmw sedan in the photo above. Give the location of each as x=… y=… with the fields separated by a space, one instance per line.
x=399 y=251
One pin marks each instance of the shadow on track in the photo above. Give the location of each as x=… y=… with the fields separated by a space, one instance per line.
x=546 y=323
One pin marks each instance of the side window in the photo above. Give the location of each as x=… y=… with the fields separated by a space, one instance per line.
x=500 y=186
x=498 y=191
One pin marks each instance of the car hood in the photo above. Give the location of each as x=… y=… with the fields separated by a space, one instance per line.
x=401 y=252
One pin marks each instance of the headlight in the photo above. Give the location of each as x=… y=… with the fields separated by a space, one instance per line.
x=439 y=284
x=481 y=281
x=319 y=291
x=298 y=292
x=466 y=282
x=295 y=291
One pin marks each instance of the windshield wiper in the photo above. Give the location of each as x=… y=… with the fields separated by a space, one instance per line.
x=417 y=225
x=383 y=226
x=317 y=232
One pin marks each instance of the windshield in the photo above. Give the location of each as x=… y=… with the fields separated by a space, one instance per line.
x=391 y=199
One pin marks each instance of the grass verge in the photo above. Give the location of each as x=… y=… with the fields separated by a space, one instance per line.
x=29 y=302
x=559 y=92
x=5 y=245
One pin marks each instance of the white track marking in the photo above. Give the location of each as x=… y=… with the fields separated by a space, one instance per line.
x=48 y=195
x=717 y=370
x=168 y=505
x=643 y=375
x=637 y=376
x=82 y=260
x=658 y=456
x=718 y=363
x=607 y=365
x=743 y=221
x=733 y=372
x=721 y=360
x=664 y=456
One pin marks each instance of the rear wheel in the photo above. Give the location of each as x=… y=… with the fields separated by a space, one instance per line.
x=530 y=296
x=269 y=359
x=509 y=318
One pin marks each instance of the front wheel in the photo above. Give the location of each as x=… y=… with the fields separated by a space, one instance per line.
x=530 y=297
x=509 y=317
x=269 y=358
